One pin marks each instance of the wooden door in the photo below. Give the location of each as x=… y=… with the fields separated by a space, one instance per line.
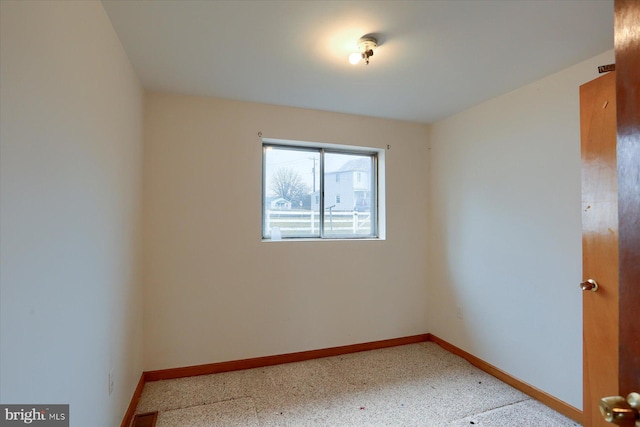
x=599 y=243
x=611 y=318
x=627 y=47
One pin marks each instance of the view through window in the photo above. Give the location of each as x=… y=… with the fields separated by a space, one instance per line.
x=311 y=192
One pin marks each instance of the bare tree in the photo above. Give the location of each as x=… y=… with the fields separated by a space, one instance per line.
x=288 y=184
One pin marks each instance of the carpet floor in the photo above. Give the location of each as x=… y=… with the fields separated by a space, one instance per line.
x=412 y=385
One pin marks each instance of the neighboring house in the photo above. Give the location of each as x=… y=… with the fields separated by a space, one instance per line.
x=279 y=204
x=348 y=188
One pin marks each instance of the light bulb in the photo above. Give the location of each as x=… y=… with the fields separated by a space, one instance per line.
x=355 y=57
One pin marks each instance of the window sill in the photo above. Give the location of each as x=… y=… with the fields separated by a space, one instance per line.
x=309 y=239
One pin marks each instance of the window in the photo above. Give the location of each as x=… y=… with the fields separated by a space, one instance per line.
x=303 y=195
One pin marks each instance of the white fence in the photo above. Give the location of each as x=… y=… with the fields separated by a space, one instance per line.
x=307 y=222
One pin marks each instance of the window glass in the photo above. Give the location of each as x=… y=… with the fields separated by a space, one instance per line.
x=311 y=192
x=291 y=181
x=347 y=210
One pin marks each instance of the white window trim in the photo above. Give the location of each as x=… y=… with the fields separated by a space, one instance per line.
x=380 y=186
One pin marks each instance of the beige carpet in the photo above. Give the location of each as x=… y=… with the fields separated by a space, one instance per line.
x=411 y=385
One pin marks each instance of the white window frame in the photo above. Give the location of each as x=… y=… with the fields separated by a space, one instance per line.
x=377 y=181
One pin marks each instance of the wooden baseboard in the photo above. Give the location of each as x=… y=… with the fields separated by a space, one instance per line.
x=552 y=402
x=259 y=362
x=128 y=416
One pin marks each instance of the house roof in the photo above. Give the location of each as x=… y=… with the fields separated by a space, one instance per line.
x=359 y=165
x=271 y=199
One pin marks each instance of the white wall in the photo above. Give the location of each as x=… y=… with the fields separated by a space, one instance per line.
x=505 y=241
x=504 y=193
x=215 y=292
x=71 y=150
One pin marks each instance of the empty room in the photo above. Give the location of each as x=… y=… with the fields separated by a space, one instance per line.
x=319 y=213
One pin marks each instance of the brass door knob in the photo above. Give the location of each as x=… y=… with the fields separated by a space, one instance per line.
x=589 y=285
x=621 y=411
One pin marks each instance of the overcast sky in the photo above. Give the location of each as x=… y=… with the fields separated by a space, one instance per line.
x=301 y=162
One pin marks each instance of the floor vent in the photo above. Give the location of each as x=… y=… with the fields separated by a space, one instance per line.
x=145 y=420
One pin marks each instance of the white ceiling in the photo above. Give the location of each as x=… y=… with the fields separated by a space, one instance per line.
x=436 y=57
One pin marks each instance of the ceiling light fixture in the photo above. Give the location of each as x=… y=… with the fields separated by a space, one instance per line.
x=365 y=45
